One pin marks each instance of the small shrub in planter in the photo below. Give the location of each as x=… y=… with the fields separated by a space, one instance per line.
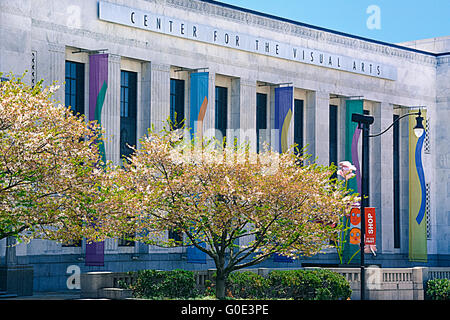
x=438 y=289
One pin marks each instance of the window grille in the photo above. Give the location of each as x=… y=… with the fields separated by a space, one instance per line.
x=428 y=209
x=427 y=142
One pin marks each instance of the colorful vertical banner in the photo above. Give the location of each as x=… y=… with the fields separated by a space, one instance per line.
x=417 y=196
x=98 y=85
x=199 y=105
x=352 y=250
x=284 y=100
x=199 y=102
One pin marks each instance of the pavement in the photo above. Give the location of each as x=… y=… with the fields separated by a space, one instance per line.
x=47 y=296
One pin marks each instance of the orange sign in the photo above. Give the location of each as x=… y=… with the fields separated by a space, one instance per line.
x=355 y=236
x=355 y=216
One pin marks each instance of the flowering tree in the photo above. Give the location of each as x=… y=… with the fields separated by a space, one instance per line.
x=237 y=207
x=346 y=171
x=48 y=159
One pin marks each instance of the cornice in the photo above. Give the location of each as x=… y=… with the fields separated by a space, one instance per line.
x=304 y=32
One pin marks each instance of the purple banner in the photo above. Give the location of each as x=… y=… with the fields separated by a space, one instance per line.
x=95 y=254
x=284 y=98
x=98 y=84
x=98 y=79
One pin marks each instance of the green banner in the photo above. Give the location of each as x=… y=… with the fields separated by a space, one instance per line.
x=351 y=250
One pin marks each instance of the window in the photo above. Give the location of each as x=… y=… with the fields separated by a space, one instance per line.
x=261 y=118
x=221 y=110
x=128 y=112
x=396 y=178
x=74 y=95
x=177 y=102
x=333 y=136
x=124 y=242
x=298 y=124
x=176 y=236
x=72 y=243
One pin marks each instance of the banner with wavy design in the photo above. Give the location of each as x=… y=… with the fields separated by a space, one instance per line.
x=98 y=85
x=284 y=100
x=199 y=102
x=353 y=134
x=417 y=196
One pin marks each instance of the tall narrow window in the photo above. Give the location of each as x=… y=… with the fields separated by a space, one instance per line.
x=74 y=87
x=396 y=170
x=333 y=135
x=177 y=102
x=128 y=112
x=261 y=119
x=298 y=124
x=221 y=110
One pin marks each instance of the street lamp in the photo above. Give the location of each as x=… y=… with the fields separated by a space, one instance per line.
x=364 y=122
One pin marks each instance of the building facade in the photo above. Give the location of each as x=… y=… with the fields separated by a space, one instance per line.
x=159 y=58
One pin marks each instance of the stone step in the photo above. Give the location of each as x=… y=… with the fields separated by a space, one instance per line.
x=6 y=295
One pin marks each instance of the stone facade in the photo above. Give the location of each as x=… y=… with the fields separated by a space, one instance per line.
x=39 y=36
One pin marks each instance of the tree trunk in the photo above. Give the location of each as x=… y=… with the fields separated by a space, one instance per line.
x=220 y=285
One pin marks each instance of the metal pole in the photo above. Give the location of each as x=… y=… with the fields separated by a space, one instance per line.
x=362 y=208
x=364 y=122
x=364 y=198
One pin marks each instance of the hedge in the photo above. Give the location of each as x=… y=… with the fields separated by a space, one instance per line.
x=154 y=284
x=438 y=289
x=319 y=284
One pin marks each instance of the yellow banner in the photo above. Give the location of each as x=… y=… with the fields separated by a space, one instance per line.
x=417 y=196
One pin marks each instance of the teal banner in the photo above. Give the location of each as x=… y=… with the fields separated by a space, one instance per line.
x=199 y=102
x=351 y=252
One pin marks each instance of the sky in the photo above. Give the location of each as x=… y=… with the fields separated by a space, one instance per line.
x=392 y=21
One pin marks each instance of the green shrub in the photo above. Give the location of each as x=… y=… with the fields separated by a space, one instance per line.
x=320 y=284
x=247 y=285
x=164 y=284
x=333 y=286
x=438 y=289
x=293 y=284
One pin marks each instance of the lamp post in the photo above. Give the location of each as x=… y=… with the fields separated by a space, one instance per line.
x=364 y=122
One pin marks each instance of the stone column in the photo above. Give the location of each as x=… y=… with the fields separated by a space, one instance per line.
x=440 y=151
x=382 y=184
x=144 y=109
x=56 y=72
x=247 y=121
x=159 y=95
x=111 y=111
x=317 y=126
x=242 y=124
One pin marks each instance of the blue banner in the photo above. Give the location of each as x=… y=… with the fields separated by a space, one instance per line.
x=199 y=102
x=284 y=99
